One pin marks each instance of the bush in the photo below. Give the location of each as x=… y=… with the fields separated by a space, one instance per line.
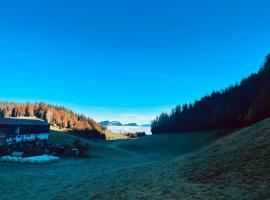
x=83 y=149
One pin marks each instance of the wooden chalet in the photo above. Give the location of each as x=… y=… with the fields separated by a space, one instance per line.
x=18 y=131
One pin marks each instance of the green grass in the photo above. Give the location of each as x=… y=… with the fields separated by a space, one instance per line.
x=236 y=166
x=244 y=154
x=167 y=145
x=98 y=148
x=203 y=165
x=154 y=147
x=56 y=137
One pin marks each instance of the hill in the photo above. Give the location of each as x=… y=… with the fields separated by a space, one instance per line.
x=234 y=107
x=202 y=165
x=233 y=167
x=155 y=146
x=97 y=148
x=237 y=166
x=58 y=117
x=131 y=124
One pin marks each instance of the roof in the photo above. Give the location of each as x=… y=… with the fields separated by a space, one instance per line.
x=12 y=121
x=27 y=126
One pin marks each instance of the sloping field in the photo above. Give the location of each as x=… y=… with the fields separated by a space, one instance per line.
x=168 y=145
x=179 y=166
x=240 y=163
x=114 y=136
x=234 y=167
x=98 y=148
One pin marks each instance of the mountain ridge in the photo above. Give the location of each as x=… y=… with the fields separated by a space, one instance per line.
x=116 y=123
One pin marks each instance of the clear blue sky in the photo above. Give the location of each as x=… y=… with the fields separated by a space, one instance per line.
x=128 y=60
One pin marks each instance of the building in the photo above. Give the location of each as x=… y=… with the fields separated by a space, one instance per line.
x=20 y=131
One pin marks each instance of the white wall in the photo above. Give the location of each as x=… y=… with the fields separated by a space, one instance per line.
x=18 y=138
x=28 y=137
x=43 y=136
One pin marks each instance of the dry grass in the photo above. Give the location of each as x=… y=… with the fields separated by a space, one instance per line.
x=114 y=136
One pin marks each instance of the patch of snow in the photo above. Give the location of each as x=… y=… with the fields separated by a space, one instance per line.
x=32 y=160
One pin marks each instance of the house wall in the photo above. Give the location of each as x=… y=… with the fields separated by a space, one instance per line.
x=18 y=138
x=2 y=139
x=17 y=131
x=24 y=129
x=9 y=139
x=27 y=137
x=43 y=136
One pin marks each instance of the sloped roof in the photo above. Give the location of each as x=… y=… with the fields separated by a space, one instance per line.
x=13 y=121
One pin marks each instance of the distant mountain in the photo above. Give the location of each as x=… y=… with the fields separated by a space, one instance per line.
x=237 y=106
x=110 y=123
x=116 y=123
x=104 y=123
x=131 y=124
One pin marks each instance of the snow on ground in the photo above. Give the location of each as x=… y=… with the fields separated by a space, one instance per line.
x=33 y=160
x=130 y=129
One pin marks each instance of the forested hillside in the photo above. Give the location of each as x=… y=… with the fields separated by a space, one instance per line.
x=234 y=107
x=59 y=117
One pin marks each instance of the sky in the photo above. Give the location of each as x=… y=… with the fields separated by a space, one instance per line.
x=128 y=60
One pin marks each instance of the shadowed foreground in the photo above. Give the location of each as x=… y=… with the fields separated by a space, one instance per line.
x=177 y=166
